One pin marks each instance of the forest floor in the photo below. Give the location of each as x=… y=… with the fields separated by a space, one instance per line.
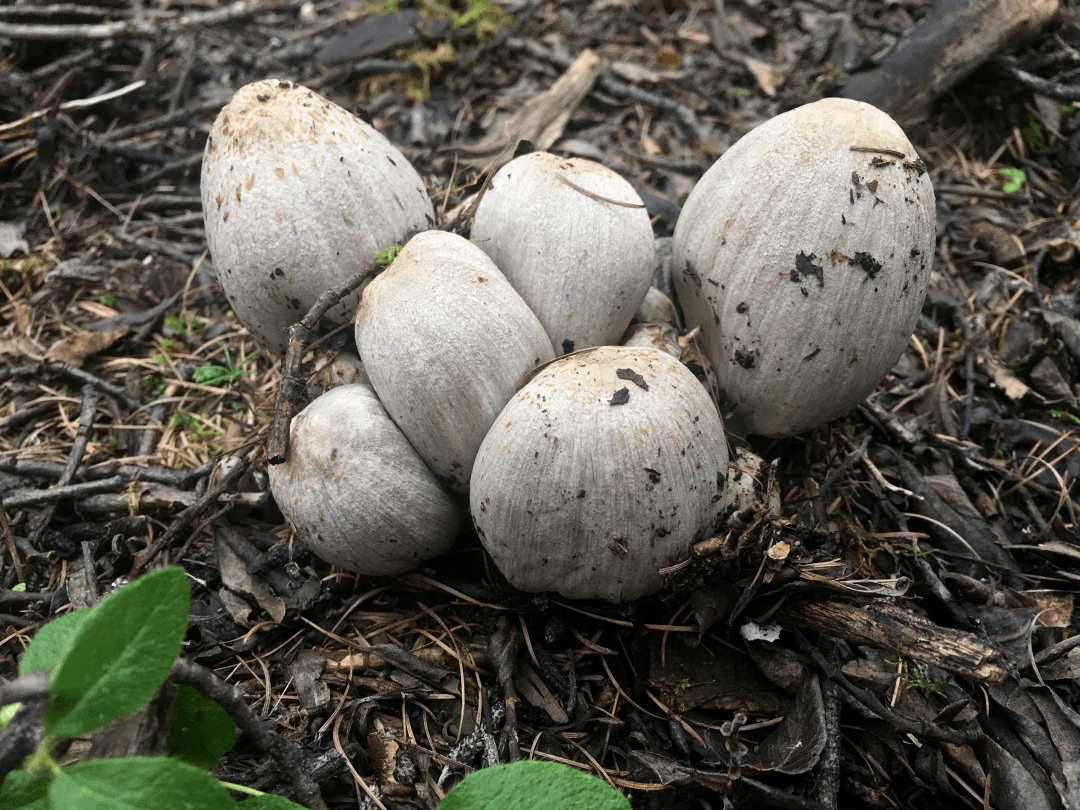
x=913 y=646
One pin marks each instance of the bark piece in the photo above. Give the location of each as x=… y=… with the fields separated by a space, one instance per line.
x=886 y=627
x=943 y=49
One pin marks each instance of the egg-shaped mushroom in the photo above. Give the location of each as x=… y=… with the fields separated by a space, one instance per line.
x=574 y=239
x=804 y=254
x=298 y=195
x=604 y=468
x=444 y=339
x=357 y=492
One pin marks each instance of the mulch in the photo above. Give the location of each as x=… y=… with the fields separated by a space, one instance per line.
x=902 y=635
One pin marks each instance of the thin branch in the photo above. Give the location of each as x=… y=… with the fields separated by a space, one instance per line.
x=31 y=686
x=292 y=381
x=287 y=754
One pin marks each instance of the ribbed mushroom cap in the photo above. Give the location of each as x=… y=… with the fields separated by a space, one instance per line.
x=603 y=469
x=357 y=492
x=804 y=254
x=574 y=239
x=298 y=195
x=444 y=339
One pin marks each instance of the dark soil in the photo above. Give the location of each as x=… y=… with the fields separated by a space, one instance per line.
x=903 y=635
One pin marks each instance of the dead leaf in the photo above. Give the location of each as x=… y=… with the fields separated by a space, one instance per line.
x=305 y=670
x=1003 y=379
x=11 y=234
x=797 y=743
x=768 y=77
x=77 y=347
x=1011 y=786
x=21 y=346
x=235 y=576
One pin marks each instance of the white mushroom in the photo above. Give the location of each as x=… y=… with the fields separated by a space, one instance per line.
x=574 y=239
x=603 y=469
x=298 y=195
x=444 y=339
x=355 y=490
x=804 y=254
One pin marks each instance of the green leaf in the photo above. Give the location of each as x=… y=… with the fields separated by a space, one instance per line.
x=53 y=641
x=120 y=655
x=533 y=785
x=270 y=801
x=1014 y=179
x=137 y=783
x=7 y=714
x=200 y=731
x=21 y=791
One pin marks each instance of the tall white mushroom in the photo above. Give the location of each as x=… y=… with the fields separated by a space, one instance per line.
x=444 y=339
x=298 y=195
x=804 y=254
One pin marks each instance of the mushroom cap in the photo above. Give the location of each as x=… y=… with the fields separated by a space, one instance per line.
x=562 y=232
x=603 y=469
x=357 y=492
x=298 y=195
x=444 y=339
x=804 y=254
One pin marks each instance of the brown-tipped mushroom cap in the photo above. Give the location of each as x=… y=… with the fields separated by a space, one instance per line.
x=356 y=491
x=298 y=195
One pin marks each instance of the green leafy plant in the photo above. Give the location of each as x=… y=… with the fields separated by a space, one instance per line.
x=227 y=374
x=533 y=785
x=106 y=662
x=108 y=300
x=1012 y=179
x=193 y=426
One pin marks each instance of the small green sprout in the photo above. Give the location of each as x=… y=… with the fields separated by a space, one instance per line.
x=386 y=257
x=227 y=374
x=1014 y=179
x=108 y=300
x=1070 y=417
x=927 y=688
x=184 y=326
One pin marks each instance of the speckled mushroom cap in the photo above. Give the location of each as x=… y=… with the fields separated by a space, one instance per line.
x=574 y=239
x=355 y=490
x=804 y=254
x=600 y=471
x=298 y=195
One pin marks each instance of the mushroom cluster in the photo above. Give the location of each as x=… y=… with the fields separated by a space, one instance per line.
x=496 y=386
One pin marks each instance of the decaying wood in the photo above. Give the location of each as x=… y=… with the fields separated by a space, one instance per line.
x=542 y=118
x=946 y=47
x=892 y=628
